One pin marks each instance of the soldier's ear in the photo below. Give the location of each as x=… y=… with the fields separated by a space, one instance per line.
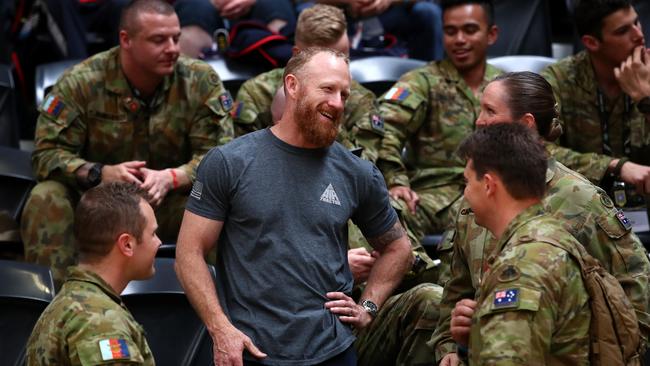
x=493 y=35
x=125 y=244
x=591 y=43
x=125 y=40
x=490 y=182
x=291 y=85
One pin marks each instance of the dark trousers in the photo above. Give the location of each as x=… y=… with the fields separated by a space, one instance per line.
x=345 y=358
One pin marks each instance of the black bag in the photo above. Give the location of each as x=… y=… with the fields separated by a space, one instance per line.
x=253 y=43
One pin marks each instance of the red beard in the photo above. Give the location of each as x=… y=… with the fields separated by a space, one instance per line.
x=314 y=129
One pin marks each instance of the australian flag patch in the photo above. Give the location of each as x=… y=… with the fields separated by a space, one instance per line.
x=623 y=220
x=506 y=298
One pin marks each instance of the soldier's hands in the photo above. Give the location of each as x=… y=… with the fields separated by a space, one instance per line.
x=374 y=8
x=235 y=9
x=638 y=175
x=229 y=344
x=157 y=183
x=450 y=359
x=129 y=171
x=461 y=320
x=407 y=195
x=633 y=74
x=361 y=263
x=347 y=310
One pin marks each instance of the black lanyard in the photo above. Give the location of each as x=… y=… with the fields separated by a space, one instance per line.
x=604 y=123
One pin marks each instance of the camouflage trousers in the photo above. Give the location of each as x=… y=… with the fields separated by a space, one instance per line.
x=46 y=225
x=404 y=325
x=434 y=212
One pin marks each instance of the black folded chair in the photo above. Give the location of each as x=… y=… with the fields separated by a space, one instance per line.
x=524 y=28
x=9 y=124
x=521 y=63
x=232 y=73
x=25 y=291
x=48 y=74
x=379 y=73
x=173 y=330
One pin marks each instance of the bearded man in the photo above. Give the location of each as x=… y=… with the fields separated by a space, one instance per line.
x=277 y=212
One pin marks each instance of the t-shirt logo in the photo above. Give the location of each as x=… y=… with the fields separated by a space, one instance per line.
x=197 y=190
x=330 y=196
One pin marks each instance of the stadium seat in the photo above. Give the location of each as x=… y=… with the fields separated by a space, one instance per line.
x=25 y=291
x=524 y=28
x=233 y=74
x=48 y=74
x=521 y=63
x=9 y=125
x=16 y=181
x=378 y=73
x=174 y=331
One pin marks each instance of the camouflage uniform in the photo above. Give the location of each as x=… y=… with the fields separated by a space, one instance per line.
x=430 y=110
x=93 y=115
x=406 y=321
x=362 y=126
x=533 y=307
x=80 y=319
x=587 y=213
x=575 y=88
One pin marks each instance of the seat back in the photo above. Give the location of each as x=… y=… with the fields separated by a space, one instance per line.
x=25 y=291
x=16 y=180
x=379 y=73
x=524 y=28
x=47 y=75
x=521 y=63
x=173 y=330
x=9 y=125
x=233 y=74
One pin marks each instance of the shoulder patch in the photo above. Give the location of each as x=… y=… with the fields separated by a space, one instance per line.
x=397 y=94
x=377 y=122
x=114 y=349
x=620 y=215
x=605 y=200
x=236 y=110
x=226 y=101
x=53 y=105
x=508 y=298
x=510 y=273
x=213 y=78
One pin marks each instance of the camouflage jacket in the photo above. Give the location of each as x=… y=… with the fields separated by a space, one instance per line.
x=575 y=88
x=361 y=127
x=430 y=110
x=587 y=213
x=533 y=307
x=87 y=324
x=93 y=115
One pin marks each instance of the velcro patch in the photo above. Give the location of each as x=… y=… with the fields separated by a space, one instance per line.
x=377 y=122
x=53 y=106
x=114 y=349
x=397 y=94
x=623 y=220
x=508 y=298
x=226 y=101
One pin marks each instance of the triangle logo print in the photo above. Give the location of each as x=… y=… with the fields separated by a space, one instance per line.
x=330 y=196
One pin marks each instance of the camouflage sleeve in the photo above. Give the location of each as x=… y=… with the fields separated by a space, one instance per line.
x=404 y=109
x=212 y=124
x=532 y=298
x=60 y=133
x=593 y=166
x=252 y=110
x=364 y=126
x=457 y=287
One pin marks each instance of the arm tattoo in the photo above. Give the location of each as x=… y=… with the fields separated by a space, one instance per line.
x=394 y=233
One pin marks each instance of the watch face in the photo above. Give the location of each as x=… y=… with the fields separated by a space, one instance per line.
x=370 y=307
x=95 y=175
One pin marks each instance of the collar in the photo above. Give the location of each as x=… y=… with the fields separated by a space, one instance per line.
x=550 y=170
x=450 y=73
x=76 y=273
x=520 y=220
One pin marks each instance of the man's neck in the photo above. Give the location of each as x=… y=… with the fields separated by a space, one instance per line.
x=507 y=212
x=144 y=81
x=604 y=73
x=474 y=77
x=286 y=130
x=108 y=272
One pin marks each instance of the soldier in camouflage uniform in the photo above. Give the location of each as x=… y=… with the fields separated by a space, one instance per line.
x=532 y=307
x=406 y=321
x=134 y=113
x=87 y=323
x=603 y=120
x=586 y=211
x=430 y=110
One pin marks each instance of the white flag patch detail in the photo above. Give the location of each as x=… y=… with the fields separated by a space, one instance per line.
x=330 y=196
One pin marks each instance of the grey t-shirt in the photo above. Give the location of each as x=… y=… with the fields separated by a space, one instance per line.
x=284 y=241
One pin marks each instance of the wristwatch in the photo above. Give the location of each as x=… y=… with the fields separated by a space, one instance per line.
x=370 y=307
x=94 y=175
x=644 y=105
